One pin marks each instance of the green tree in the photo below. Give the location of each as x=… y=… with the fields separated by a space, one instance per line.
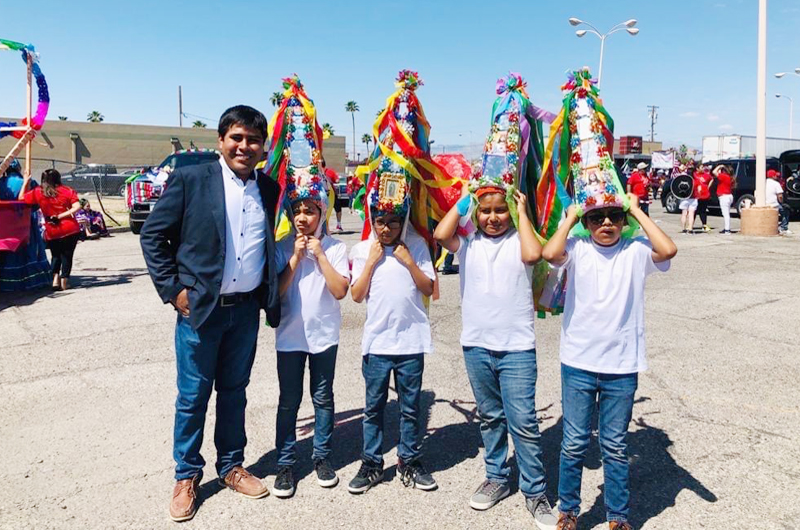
x=95 y=117
x=62 y=118
x=276 y=99
x=328 y=128
x=199 y=124
x=352 y=108
x=366 y=139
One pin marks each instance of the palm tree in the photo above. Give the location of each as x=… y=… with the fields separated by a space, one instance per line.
x=327 y=128
x=366 y=139
x=199 y=124
x=62 y=118
x=94 y=117
x=276 y=99
x=379 y=112
x=352 y=108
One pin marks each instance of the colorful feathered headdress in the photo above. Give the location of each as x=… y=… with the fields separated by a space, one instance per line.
x=513 y=153
x=295 y=153
x=400 y=176
x=579 y=166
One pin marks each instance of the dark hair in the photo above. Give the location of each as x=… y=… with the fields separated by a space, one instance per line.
x=244 y=116
x=51 y=179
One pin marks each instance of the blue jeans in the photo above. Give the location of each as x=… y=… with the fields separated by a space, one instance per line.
x=291 y=366
x=504 y=385
x=581 y=393
x=783 y=216
x=408 y=378
x=220 y=353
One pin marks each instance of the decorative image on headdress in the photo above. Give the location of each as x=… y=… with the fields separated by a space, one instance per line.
x=295 y=156
x=513 y=152
x=401 y=177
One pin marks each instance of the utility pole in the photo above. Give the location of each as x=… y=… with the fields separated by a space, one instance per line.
x=180 y=107
x=653 y=111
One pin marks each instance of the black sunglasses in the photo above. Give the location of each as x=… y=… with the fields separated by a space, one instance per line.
x=597 y=218
x=394 y=224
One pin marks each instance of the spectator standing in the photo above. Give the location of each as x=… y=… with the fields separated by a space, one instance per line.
x=775 y=199
x=702 y=186
x=725 y=187
x=59 y=204
x=639 y=185
x=687 y=206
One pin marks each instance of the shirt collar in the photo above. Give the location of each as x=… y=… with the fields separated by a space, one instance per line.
x=228 y=172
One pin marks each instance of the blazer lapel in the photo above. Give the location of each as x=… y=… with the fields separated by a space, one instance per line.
x=216 y=194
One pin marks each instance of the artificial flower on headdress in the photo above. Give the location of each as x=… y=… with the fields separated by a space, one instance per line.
x=512 y=154
x=294 y=157
x=400 y=176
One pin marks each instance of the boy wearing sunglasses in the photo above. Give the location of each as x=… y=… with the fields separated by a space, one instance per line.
x=602 y=345
x=393 y=272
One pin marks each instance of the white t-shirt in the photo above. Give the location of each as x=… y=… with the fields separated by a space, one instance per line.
x=397 y=322
x=602 y=329
x=310 y=315
x=496 y=293
x=773 y=190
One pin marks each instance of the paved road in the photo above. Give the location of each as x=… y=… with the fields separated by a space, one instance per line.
x=87 y=379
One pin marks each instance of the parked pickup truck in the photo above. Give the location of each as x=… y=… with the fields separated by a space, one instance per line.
x=143 y=189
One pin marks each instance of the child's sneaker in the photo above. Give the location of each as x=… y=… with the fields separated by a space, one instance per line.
x=326 y=476
x=367 y=476
x=706 y=228
x=619 y=525
x=542 y=512
x=488 y=494
x=339 y=228
x=284 y=483
x=414 y=474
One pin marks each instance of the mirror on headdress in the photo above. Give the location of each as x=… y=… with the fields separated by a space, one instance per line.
x=299 y=148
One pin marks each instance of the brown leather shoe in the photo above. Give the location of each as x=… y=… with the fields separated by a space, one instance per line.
x=184 y=499
x=567 y=522
x=619 y=525
x=240 y=481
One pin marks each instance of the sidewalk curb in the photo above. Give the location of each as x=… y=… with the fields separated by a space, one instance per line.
x=119 y=229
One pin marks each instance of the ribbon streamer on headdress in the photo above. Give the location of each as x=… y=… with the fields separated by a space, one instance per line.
x=26 y=131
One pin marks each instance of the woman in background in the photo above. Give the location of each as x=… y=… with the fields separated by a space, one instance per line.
x=59 y=204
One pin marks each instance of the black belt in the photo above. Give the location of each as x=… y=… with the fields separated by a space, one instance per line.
x=228 y=300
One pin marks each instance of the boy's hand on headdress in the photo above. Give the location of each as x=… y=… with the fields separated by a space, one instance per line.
x=300 y=246
x=375 y=252
x=403 y=255
x=572 y=215
x=522 y=203
x=634 y=200
x=315 y=246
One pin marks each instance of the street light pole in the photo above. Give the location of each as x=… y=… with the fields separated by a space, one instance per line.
x=761 y=115
x=791 y=112
x=628 y=26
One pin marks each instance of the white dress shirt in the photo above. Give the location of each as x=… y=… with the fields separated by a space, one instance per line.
x=245 y=233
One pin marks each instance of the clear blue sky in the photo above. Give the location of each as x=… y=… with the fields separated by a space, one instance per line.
x=695 y=59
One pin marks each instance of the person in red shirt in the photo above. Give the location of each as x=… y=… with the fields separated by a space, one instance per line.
x=639 y=185
x=702 y=192
x=725 y=187
x=58 y=204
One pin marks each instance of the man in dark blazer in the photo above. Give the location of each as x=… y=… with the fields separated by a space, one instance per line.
x=210 y=249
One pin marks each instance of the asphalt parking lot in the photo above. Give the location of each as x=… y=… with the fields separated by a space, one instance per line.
x=88 y=386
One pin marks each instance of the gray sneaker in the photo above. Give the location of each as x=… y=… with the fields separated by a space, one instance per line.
x=488 y=494
x=542 y=512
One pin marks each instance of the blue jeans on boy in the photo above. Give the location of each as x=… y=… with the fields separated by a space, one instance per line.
x=219 y=354
x=581 y=392
x=504 y=385
x=291 y=367
x=408 y=378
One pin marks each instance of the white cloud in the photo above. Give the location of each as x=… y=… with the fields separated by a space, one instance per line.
x=712 y=117
x=726 y=127
x=690 y=114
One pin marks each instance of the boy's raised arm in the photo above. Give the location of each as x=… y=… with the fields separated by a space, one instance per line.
x=555 y=251
x=663 y=247
x=531 y=248
x=445 y=232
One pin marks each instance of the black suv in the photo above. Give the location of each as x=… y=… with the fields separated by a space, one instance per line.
x=102 y=177
x=790 y=169
x=744 y=171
